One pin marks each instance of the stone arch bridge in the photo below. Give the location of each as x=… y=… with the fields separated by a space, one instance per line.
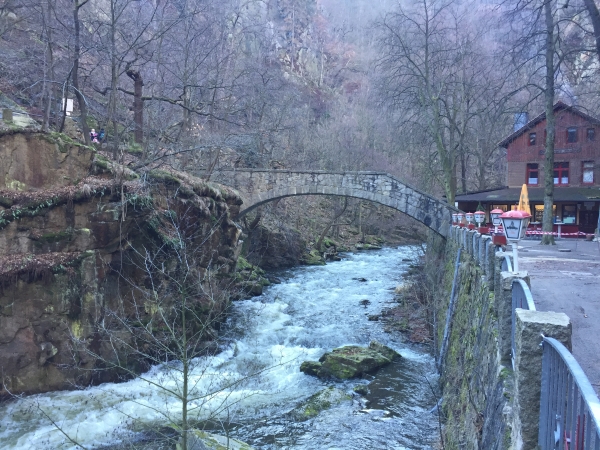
x=259 y=186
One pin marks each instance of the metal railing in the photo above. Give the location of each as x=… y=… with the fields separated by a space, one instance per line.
x=506 y=264
x=521 y=298
x=569 y=407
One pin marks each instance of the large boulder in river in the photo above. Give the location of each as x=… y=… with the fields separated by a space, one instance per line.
x=350 y=361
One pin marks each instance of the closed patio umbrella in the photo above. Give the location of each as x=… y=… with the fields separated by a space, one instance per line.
x=524 y=200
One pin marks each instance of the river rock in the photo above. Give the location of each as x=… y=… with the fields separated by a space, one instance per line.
x=368 y=247
x=361 y=389
x=313 y=258
x=350 y=361
x=318 y=402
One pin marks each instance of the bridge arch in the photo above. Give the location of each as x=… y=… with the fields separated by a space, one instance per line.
x=259 y=186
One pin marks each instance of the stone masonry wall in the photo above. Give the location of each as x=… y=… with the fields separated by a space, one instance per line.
x=485 y=404
x=475 y=381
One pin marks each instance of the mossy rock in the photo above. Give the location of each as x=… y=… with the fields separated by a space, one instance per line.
x=313 y=258
x=50 y=238
x=350 y=361
x=198 y=439
x=318 y=402
x=361 y=389
x=249 y=278
x=164 y=176
x=327 y=242
x=374 y=240
x=368 y=247
x=251 y=288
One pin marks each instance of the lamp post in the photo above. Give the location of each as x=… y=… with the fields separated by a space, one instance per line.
x=497 y=239
x=515 y=225
x=454 y=219
x=470 y=225
x=496 y=221
x=480 y=218
x=460 y=217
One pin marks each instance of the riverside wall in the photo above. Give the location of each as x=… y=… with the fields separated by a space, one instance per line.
x=485 y=404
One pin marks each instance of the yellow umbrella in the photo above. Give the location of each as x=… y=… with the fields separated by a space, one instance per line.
x=524 y=200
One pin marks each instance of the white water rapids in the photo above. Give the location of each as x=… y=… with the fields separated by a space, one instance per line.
x=313 y=310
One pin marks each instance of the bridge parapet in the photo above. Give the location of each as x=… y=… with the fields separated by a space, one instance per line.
x=259 y=186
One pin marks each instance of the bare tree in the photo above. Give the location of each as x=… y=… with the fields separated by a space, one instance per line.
x=434 y=76
x=174 y=298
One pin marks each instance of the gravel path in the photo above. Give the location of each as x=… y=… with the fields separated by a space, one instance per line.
x=566 y=278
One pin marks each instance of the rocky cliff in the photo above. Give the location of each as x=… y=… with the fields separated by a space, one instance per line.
x=77 y=234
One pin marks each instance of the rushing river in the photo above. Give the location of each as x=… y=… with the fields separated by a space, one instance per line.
x=313 y=310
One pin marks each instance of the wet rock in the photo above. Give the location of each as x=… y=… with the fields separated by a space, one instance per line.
x=249 y=279
x=350 y=361
x=47 y=351
x=374 y=317
x=273 y=280
x=368 y=247
x=361 y=389
x=321 y=401
x=365 y=302
x=362 y=280
x=313 y=368
x=313 y=258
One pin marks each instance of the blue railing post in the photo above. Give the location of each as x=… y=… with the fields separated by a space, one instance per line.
x=505 y=308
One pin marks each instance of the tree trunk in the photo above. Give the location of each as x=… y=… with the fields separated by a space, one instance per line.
x=48 y=69
x=463 y=173
x=114 y=78
x=592 y=9
x=330 y=224
x=138 y=104
x=548 y=239
x=63 y=114
x=76 y=85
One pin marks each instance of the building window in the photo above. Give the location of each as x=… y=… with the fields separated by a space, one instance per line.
x=569 y=214
x=561 y=173
x=538 y=212
x=532 y=138
x=587 y=172
x=591 y=134
x=532 y=174
x=571 y=134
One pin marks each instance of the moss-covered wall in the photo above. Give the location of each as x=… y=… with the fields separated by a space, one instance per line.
x=475 y=382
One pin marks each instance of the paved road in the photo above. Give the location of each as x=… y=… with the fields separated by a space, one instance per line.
x=569 y=281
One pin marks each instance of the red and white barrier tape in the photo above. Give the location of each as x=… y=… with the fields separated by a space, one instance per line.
x=555 y=233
